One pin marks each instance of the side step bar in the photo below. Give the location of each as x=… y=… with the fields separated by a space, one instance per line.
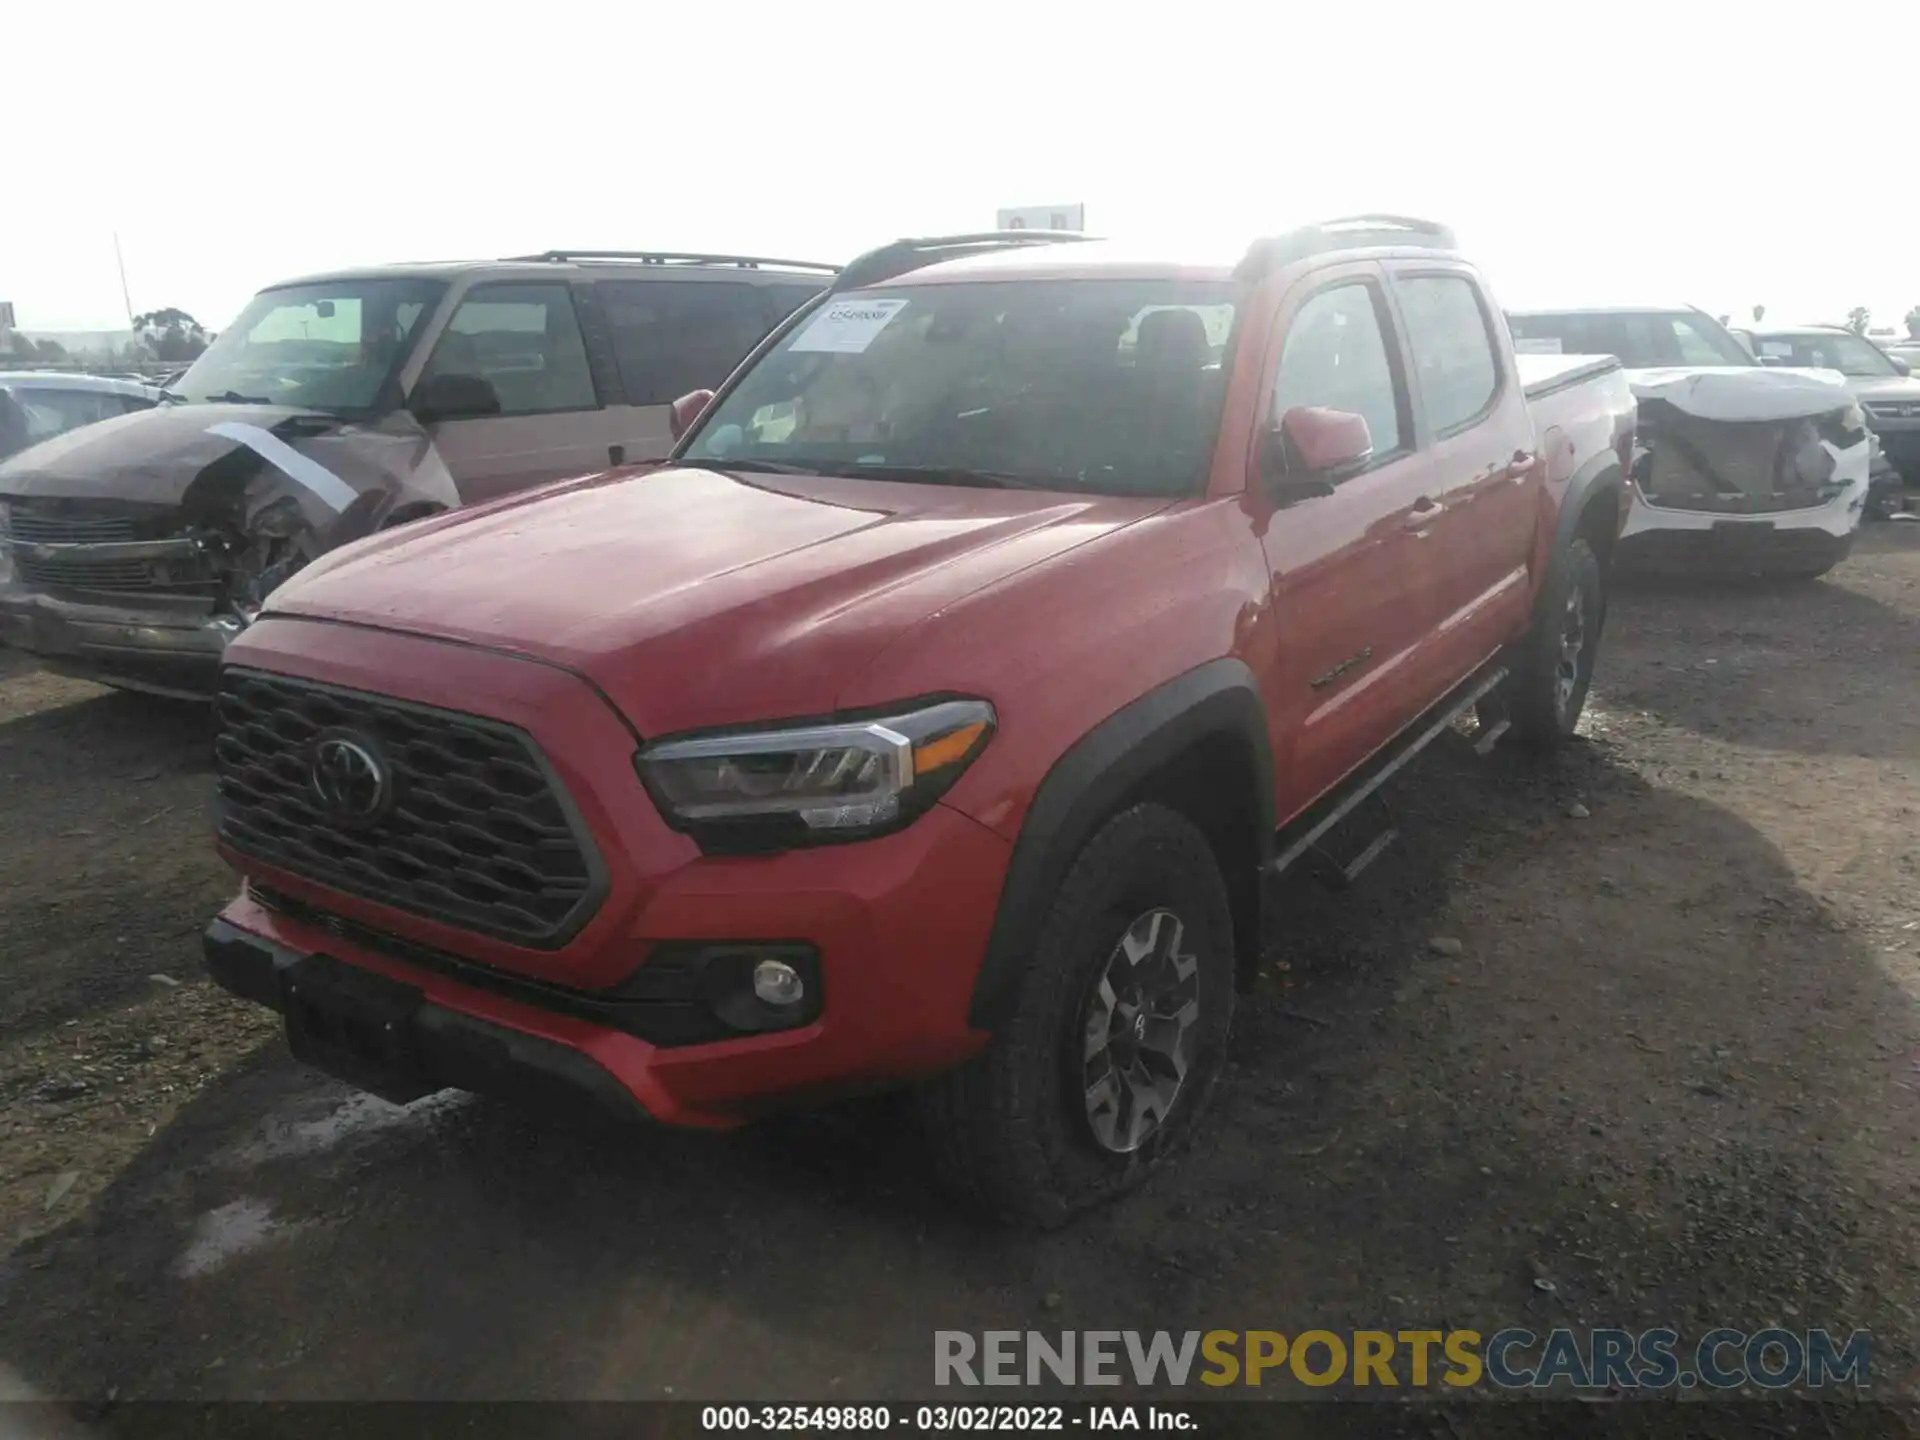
x=1303 y=836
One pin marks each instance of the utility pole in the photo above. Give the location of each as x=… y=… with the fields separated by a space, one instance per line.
x=125 y=298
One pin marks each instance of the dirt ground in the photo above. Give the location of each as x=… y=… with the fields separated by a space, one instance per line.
x=1669 y=1077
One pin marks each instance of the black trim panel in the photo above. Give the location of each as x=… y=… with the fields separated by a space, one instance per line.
x=1085 y=786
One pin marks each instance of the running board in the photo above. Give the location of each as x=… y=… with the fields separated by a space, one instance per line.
x=1304 y=835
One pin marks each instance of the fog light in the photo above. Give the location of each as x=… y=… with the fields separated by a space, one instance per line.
x=778 y=983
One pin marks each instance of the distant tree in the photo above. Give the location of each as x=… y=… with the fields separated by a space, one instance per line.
x=1759 y=313
x=1913 y=323
x=50 y=349
x=1857 y=319
x=171 y=334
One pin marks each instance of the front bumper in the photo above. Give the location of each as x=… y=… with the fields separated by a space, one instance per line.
x=1665 y=539
x=898 y=924
x=166 y=649
x=429 y=1047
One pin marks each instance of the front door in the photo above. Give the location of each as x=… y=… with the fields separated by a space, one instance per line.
x=524 y=340
x=1351 y=574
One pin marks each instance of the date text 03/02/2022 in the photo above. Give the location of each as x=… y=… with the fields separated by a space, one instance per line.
x=1512 y=1358
x=933 y=1419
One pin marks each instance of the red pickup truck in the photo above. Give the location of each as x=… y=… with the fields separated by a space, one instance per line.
x=937 y=713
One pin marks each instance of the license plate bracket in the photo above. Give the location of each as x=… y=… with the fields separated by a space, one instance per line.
x=1743 y=535
x=355 y=1025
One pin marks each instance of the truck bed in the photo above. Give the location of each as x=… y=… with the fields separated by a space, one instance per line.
x=1542 y=375
x=1582 y=406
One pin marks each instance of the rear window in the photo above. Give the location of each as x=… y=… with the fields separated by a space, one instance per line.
x=1101 y=386
x=673 y=336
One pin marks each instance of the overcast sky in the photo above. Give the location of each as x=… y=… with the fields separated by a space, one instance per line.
x=1619 y=153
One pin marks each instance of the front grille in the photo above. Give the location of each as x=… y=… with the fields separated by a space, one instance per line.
x=93 y=523
x=42 y=528
x=475 y=832
x=172 y=576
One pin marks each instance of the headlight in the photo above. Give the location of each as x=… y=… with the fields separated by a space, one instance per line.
x=808 y=784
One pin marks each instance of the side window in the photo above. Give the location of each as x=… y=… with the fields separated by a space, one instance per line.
x=1694 y=347
x=673 y=336
x=1336 y=356
x=54 y=412
x=780 y=301
x=524 y=340
x=1452 y=348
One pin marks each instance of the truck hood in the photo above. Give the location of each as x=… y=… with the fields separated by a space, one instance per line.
x=1733 y=393
x=213 y=459
x=693 y=597
x=1886 y=388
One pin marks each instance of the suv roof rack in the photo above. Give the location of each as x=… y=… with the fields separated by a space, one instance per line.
x=903 y=255
x=1346 y=232
x=675 y=257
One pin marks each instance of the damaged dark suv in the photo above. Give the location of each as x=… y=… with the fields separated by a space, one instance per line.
x=133 y=550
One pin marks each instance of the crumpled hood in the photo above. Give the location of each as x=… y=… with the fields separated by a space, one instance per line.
x=1886 y=388
x=194 y=456
x=695 y=598
x=1735 y=393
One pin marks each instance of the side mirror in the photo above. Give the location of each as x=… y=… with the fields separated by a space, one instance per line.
x=1313 y=449
x=687 y=409
x=1902 y=366
x=453 y=397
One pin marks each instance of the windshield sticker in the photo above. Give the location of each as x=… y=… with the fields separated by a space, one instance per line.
x=1547 y=345
x=847 y=327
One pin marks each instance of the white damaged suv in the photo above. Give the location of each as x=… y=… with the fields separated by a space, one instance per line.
x=1740 y=468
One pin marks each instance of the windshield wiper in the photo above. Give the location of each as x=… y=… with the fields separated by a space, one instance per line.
x=170 y=397
x=932 y=475
x=749 y=467
x=234 y=397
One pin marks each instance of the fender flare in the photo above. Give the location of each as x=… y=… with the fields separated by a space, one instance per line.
x=1599 y=477
x=1091 y=781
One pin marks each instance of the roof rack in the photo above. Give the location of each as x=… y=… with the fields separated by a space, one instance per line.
x=674 y=257
x=904 y=255
x=1347 y=232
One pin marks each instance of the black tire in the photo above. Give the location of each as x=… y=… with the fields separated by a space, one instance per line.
x=1543 y=698
x=1012 y=1129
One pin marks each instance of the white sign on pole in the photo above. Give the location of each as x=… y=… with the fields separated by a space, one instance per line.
x=1044 y=217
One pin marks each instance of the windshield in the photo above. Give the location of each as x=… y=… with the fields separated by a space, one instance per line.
x=1647 y=340
x=329 y=346
x=1104 y=386
x=1826 y=350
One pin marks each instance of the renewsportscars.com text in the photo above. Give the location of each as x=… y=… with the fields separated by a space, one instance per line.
x=1512 y=1358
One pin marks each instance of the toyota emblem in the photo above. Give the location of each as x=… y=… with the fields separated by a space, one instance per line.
x=350 y=779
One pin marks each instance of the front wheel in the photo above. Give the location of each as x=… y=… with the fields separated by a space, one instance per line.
x=1105 y=1066
x=1555 y=667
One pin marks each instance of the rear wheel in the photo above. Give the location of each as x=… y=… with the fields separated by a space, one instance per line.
x=1555 y=669
x=1105 y=1066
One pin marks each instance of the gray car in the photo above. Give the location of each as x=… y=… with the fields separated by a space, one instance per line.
x=37 y=405
x=1880 y=381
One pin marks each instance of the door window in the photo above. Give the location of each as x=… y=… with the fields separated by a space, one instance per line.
x=1452 y=349
x=1337 y=356
x=674 y=336
x=524 y=340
